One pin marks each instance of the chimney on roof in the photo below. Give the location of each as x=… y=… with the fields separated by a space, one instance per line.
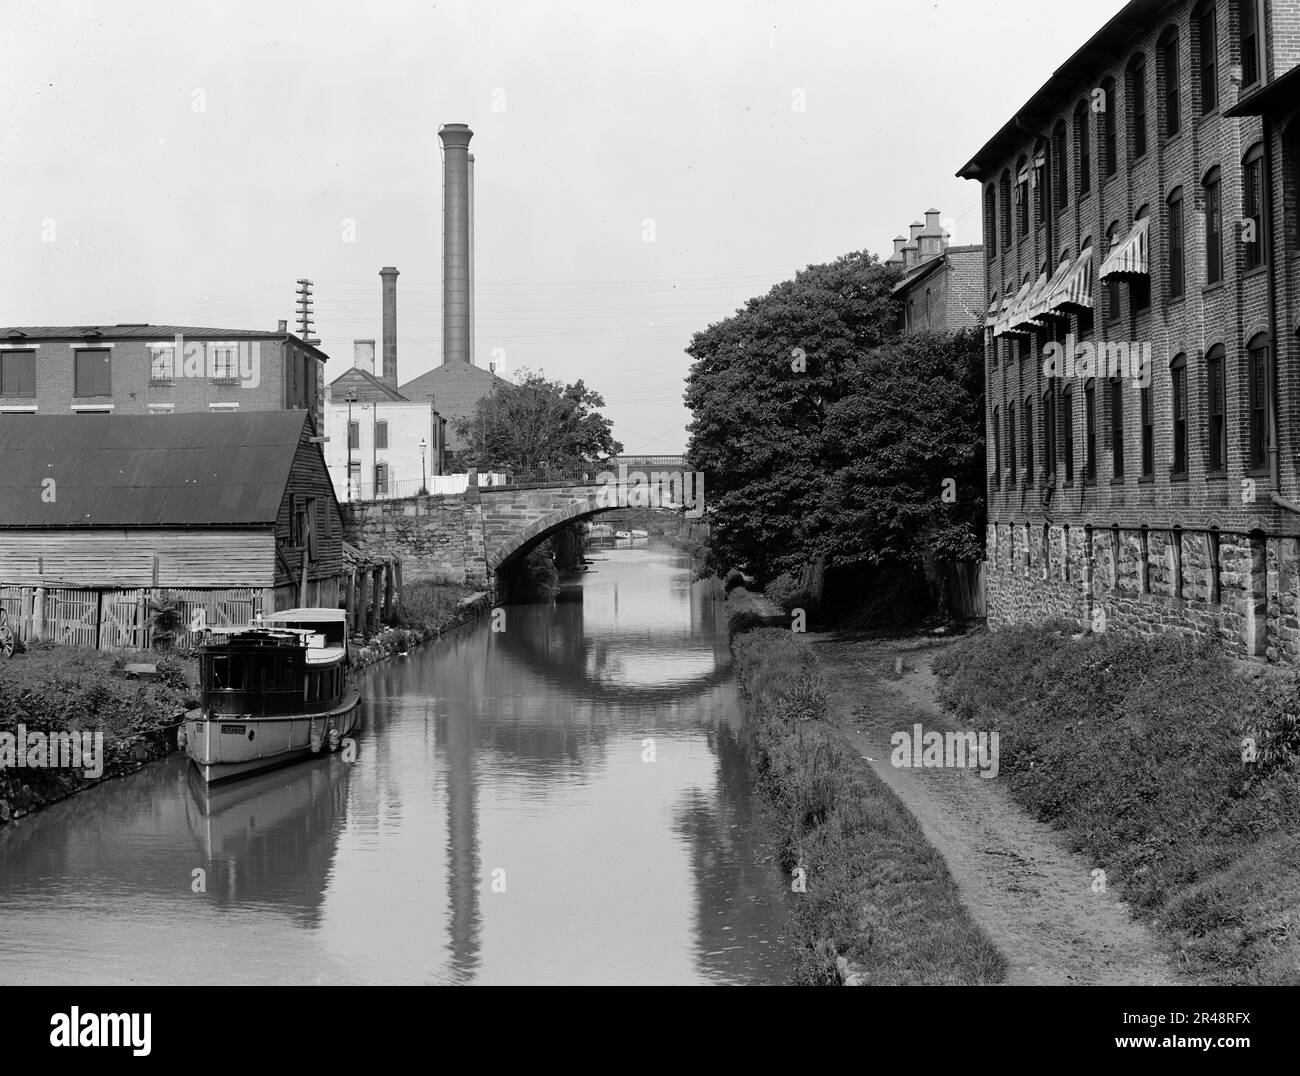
x=283 y=326
x=932 y=239
x=363 y=355
x=389 y=373
x=455 y=242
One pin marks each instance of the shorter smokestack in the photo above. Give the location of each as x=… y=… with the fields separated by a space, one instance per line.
x=283 y=326
x=917 y=228
x=363 y=355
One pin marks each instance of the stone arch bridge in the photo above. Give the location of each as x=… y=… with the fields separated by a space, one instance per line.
x=471 y=538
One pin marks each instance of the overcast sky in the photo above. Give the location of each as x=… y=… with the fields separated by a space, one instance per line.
x=184 y=163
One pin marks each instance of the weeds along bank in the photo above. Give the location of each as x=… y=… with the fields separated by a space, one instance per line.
x=1170 y=765
x=54 y=699
x=874 y=902
x=67 y=695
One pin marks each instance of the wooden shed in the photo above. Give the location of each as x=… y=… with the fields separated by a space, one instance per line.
x=234 y=513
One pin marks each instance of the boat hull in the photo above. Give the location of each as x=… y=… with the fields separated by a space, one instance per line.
x=230 y=746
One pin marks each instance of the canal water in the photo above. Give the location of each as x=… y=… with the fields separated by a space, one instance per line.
x=566 y=800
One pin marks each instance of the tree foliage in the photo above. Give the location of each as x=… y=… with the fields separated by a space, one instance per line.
x=822 y=432
x=537 y=428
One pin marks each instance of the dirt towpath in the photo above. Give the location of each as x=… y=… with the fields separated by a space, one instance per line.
x=1030 y=893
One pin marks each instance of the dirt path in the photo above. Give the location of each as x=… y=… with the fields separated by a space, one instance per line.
x=1021 y=883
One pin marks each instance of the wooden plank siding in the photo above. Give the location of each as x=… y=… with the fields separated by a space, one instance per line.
x=309 y=478
x=125 y=558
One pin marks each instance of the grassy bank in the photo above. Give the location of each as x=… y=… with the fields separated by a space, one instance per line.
x=73 y=689
x=1137 y=749
x=878 y=894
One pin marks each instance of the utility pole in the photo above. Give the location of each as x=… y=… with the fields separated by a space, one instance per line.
x=304 y=312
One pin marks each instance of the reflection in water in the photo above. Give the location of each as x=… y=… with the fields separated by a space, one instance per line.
x=564 y=801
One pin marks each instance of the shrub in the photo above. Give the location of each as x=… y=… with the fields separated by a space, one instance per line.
x=1135 y=748
x=731 y=580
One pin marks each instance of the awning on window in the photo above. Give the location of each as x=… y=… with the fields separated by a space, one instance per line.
x=1074 y=293
x=1020 y=315
x=1129 y=256
x=1043 y=302
x=1009 y=308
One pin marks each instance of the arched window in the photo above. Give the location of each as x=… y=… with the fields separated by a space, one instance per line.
x=1113 y=236
x=1178 y=401
x=1217 y=393
x=1146 y=418
x=1049 y=429
x=1205 y=43
x=1137 y=95
x=1029 y=440
x=1067 y=433
x=1011 y=443
x=997 y=448
x=1085 y=317
x=1257 y=352
x=1083 y=147
x=1117 y=426
x=1255 y=238
x=1139 y=290
x=1171 y=74
x=1022 y=196
x=1213 y=227
x=1177 y=261
x=1109 y=125
x=1060 y=166
x=1248 y=36
x=991 y=220
x=1090 y=430
x=1005 y=195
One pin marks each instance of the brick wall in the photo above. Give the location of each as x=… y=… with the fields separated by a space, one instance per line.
x=1234 y=505
x=289 y=376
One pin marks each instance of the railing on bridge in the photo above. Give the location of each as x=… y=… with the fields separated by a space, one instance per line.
x=442 y=484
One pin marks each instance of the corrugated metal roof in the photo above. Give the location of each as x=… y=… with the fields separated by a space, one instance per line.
x=186 y=470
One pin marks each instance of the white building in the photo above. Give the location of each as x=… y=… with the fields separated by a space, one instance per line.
x=380 y=444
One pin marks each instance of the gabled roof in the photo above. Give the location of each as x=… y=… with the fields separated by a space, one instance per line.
x=220 y=469
x=457 y=388
x=919 y=272
x=369 y=387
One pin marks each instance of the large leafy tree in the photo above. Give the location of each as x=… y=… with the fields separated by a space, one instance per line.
x=537 y=428
x=908 y=455
x=762 y=386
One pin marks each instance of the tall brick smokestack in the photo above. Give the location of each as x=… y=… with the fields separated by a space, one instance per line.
x=389 y=373
x=455 y=242
x=472 y=350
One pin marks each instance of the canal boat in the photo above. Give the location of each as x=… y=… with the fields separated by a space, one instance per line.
x=274 y=692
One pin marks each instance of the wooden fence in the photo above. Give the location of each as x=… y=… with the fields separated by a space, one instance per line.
x=121 y=619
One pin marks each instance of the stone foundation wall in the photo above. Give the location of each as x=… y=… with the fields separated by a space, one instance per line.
x=428 y=533
x=1241 y=590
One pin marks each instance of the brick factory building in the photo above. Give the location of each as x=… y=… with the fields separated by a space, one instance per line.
x=1140 y=214
x=141 y=369
x=942 y=288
